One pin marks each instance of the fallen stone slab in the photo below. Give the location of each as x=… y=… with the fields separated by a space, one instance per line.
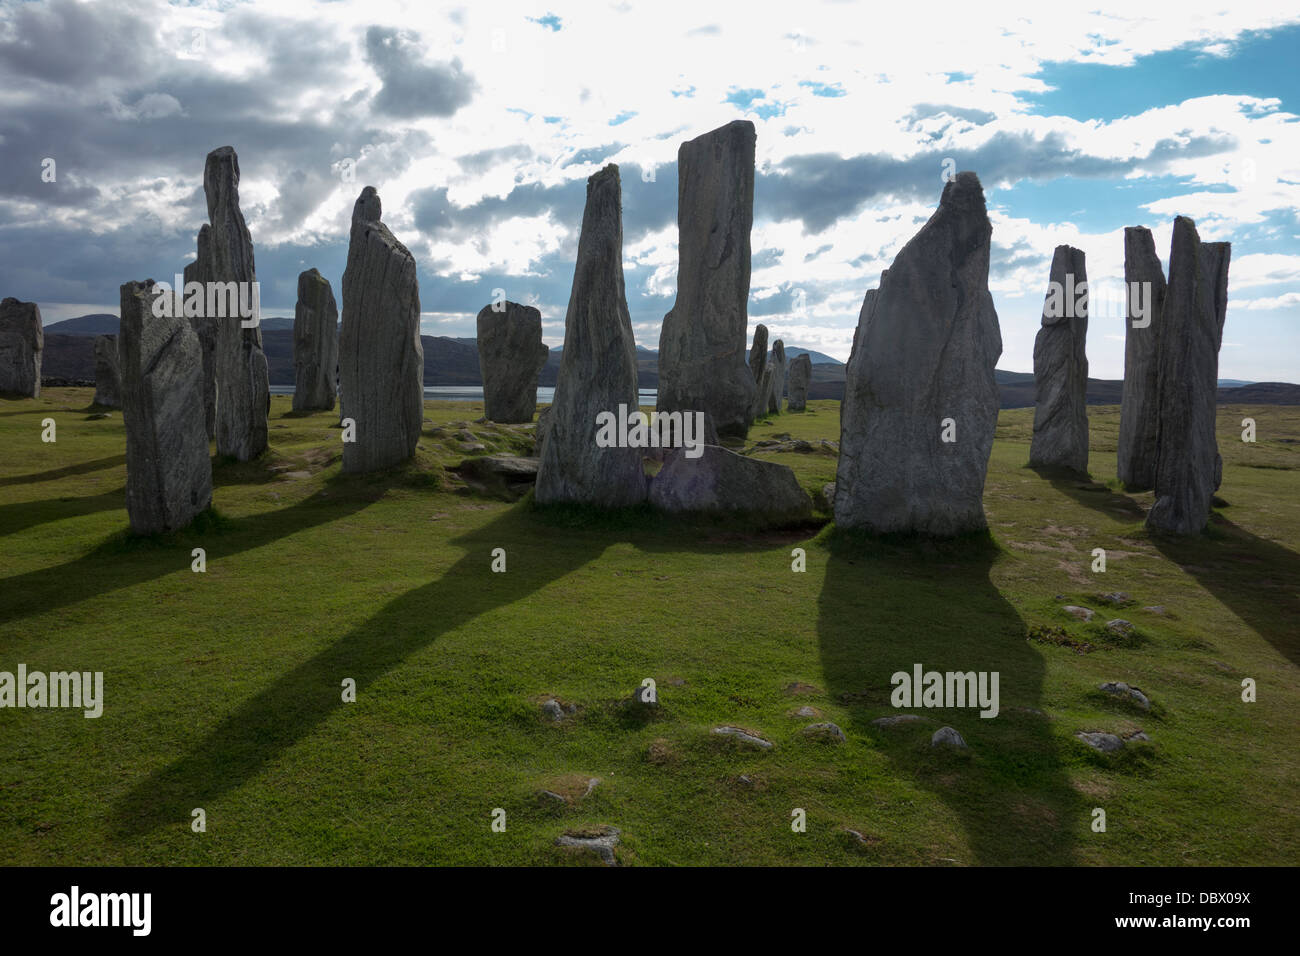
x=722 y=482
x=743 y=736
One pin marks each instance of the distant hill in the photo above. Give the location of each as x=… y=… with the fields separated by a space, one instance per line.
x=98 y=323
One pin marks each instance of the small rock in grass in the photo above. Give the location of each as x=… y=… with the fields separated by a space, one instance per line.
x=1121 y=689
x=948 y=736
x=744 y=737
x=1082 y=613
x=897 y=719
x=825 y=732
x=551 y=708
x=1156 y=609
x=1120 y=627
x=600 y=841
x=807 y=711
x=1115 y=598
x=1106 y=743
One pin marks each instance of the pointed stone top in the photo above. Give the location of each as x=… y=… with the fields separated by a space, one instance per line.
x=964 y=192
x=609 y=172
x=221 y=177
x=368 y=208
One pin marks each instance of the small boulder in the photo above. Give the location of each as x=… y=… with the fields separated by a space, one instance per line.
x=946 y=736
x=743 y=736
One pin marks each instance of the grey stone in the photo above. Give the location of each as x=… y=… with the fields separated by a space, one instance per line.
x=946 y=736
x=758 y=353
x=1061 y=369
x=924 y=351
x=598 y=368
x=900 y=719
x=764 y=391
x=243 y=384
x=108 y=372
x=315 y=343
x=826 y=731
x=1106 y=743
x=505 y=476
x=510 y=359
x=552 y=709
x=168 y=471
x=777 y=364
x=1120 y=627
x=601 y=842
x=543 y=430
x=381 y=360
x=200 y=271
x=1082 y=613
x=1115 y=598
x=702 y=341
x=642 y=697
x=22 y=340
x=797 y=383
x=1121 y=689
x=1139 y=405
x=1187 y=454
x=743 y=736
x=720 y=481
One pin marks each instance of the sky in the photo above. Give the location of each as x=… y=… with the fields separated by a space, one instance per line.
x=480 y=122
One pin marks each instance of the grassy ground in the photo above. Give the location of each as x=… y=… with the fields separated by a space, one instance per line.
x=223 y=689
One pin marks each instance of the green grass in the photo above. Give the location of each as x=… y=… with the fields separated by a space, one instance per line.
x=223 y=689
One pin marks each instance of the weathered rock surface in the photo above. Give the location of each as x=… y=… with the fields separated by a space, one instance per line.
x=598 y=368
x=947 y=737
x=764 y=391
x=777 y=363
x=200 y=271
x=510 y=359
x=1061 y=369
x=744 y=736
x=797 y=383
x=601 y=841
x=720 y=481
x=108 y=372
x=315 y=343
x=1121 y=689
x=381 y=360
x=1188 y=467
x=825 y=732
x=504 y=476
x=758 y=353
x=702 y=343
x=22 y=340
x=168 y=471
x=243 y=385
x=924 y=352
x=1139 y=406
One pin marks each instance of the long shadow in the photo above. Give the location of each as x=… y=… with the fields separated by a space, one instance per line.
x=1092 y=494
x=889 y=605
x=1257 y=579
x=122 y=560
x=21 y=515
x=298 y=701
x=67 y=471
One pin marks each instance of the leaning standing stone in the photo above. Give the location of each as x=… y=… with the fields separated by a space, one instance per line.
x=920 y=399
x=598 y=368
x=108 y=372
x=22 y=339
x=758 y=353
x=381 y=359
x=1187 y=454
x=702 y=343
x=797 y=383
x=511 y=356
x=168 y=471
x=1144 y=281
x=1061 y=368
x=777 y=362
x=315 y=343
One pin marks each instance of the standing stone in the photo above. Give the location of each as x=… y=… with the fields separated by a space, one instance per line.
x=1187 y=454
x=510 y=360
x=108 y=372
x=168 y=471
x=922 y=370
x=758 y=353
x=381 y=360
x=243 y=386
x=759 y=408
x=315 y=343
x=200 y=271
x=797 y=386
x=22 y=340
x=702 y=343
x=598 y=368
x=1061 y=368
x=1138 y=416
x=777 y=362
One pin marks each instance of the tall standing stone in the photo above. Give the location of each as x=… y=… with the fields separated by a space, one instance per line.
x=315 y=343
x=1144 y=282
x=1061 y=368
x=764 y=392
x=511 y=355
x=108 y=372
x=200 y=271
x=598 y=368
x=702 y=343
x=921 y=372
x=381 y=360
x=243 y=386
x=1187 y=455
x=777 y=361
x=22 y=340
x=168 y=471
x=797 y=383
x=758 y=352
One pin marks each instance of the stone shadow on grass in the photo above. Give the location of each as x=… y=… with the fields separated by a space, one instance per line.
x=21 y=515
x=888 y=604
x=1092 y=494
x=67 y=471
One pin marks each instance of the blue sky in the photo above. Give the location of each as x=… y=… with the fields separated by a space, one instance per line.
x=480 y=123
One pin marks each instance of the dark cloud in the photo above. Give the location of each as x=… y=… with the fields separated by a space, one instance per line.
x=411 y=87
